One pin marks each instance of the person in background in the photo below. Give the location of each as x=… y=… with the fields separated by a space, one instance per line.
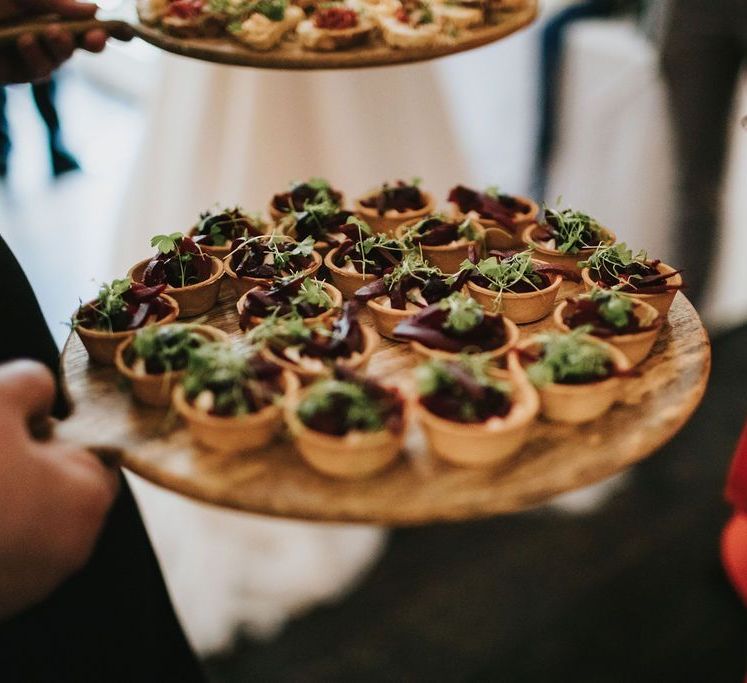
x=43 y=93
x=81 y=594
x=552 y=38
x=703 y=49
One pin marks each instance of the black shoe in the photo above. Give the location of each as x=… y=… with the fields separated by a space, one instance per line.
x=63 y=162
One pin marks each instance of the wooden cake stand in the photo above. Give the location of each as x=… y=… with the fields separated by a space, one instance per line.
x=290 y=55
x=419 y=489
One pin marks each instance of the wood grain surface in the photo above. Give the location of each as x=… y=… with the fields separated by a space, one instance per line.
x=419 y=489
x=290 y=55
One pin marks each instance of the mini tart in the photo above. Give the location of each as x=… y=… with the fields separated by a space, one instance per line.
x=156 y=390
x=637 y=345
x=333 y=292
x=357 y=361
x=193 y=299
x=661 y=301
x=225 y=250
x=498 y=236
x=102 y=346
x=578 y=403
x=483 y=444
x=512 y=339
x=346 y=281
x=389 y=222
x=241 y=285
x=329 y=40
x=385 y=319
x=569 y=261
x=277 y=215
x=261 y=33
x=447 y=258
x=356 y=455
x=397 y=34
x=288 y=229
x=522 y=308
x=238 y=432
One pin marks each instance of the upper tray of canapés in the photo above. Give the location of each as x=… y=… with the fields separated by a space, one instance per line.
x=300 y=278
x=310 y=33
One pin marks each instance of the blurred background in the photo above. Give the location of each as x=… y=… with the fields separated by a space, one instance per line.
x=612 y=583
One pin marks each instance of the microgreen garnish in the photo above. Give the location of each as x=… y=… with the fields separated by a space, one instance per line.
x=165 y=348
x=464 y=313
x=463 y=391
x=573 y=230
x=503 y=275
x=569 y=358
x=234 y=382
x=357 y=410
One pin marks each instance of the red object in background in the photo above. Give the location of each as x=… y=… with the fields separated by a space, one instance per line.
x=734 y=537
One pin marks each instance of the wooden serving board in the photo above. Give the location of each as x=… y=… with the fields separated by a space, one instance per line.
x=419 y=489
x=290 y=55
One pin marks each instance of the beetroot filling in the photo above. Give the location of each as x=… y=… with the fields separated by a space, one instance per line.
x=331 y=419
x=399 y=197
x=377 y=261
x=428 y=327
x=636 y=277
x=580 y=312
x=464 y=399
x=186 y=265
x=248 y=260
x=299 y=196
x=435 y=232
x=263 y=301
x=502 y=208
x=433 y=288
x=142 y=304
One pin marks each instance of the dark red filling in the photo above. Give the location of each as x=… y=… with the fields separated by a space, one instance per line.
x=299 y=196
x=142 y=303
x=428 y=328
x=542 y=273
x=435 y=232
x=185 y=9
x=263 y=301
x=261 y=392
x=248 y=259
x=341 y=340
x=186 y=265
x=580 y=312
x=433 y=288
x=502 y=209
x=377 y=261
x=320 y=227
x=335 y=18
x=636 y=277
x=398 y=197
x=230 y=223
x=465 y=400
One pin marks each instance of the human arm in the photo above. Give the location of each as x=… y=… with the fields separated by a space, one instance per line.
x=55 y=495
x=35 y=57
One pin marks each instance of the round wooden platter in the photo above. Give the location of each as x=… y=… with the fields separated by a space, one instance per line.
x=290 y=55
x=419 y=489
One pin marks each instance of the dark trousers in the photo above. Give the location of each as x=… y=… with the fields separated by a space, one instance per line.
x=44 y=94
x=702 y=53
x=112 y=621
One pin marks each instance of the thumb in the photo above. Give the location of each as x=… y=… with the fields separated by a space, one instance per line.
x=27 y=388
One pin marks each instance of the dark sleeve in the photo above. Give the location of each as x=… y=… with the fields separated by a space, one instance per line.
x=24 y=331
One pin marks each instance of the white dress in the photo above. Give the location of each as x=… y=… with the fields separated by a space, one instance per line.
x=236 y=136
x=230 y=135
